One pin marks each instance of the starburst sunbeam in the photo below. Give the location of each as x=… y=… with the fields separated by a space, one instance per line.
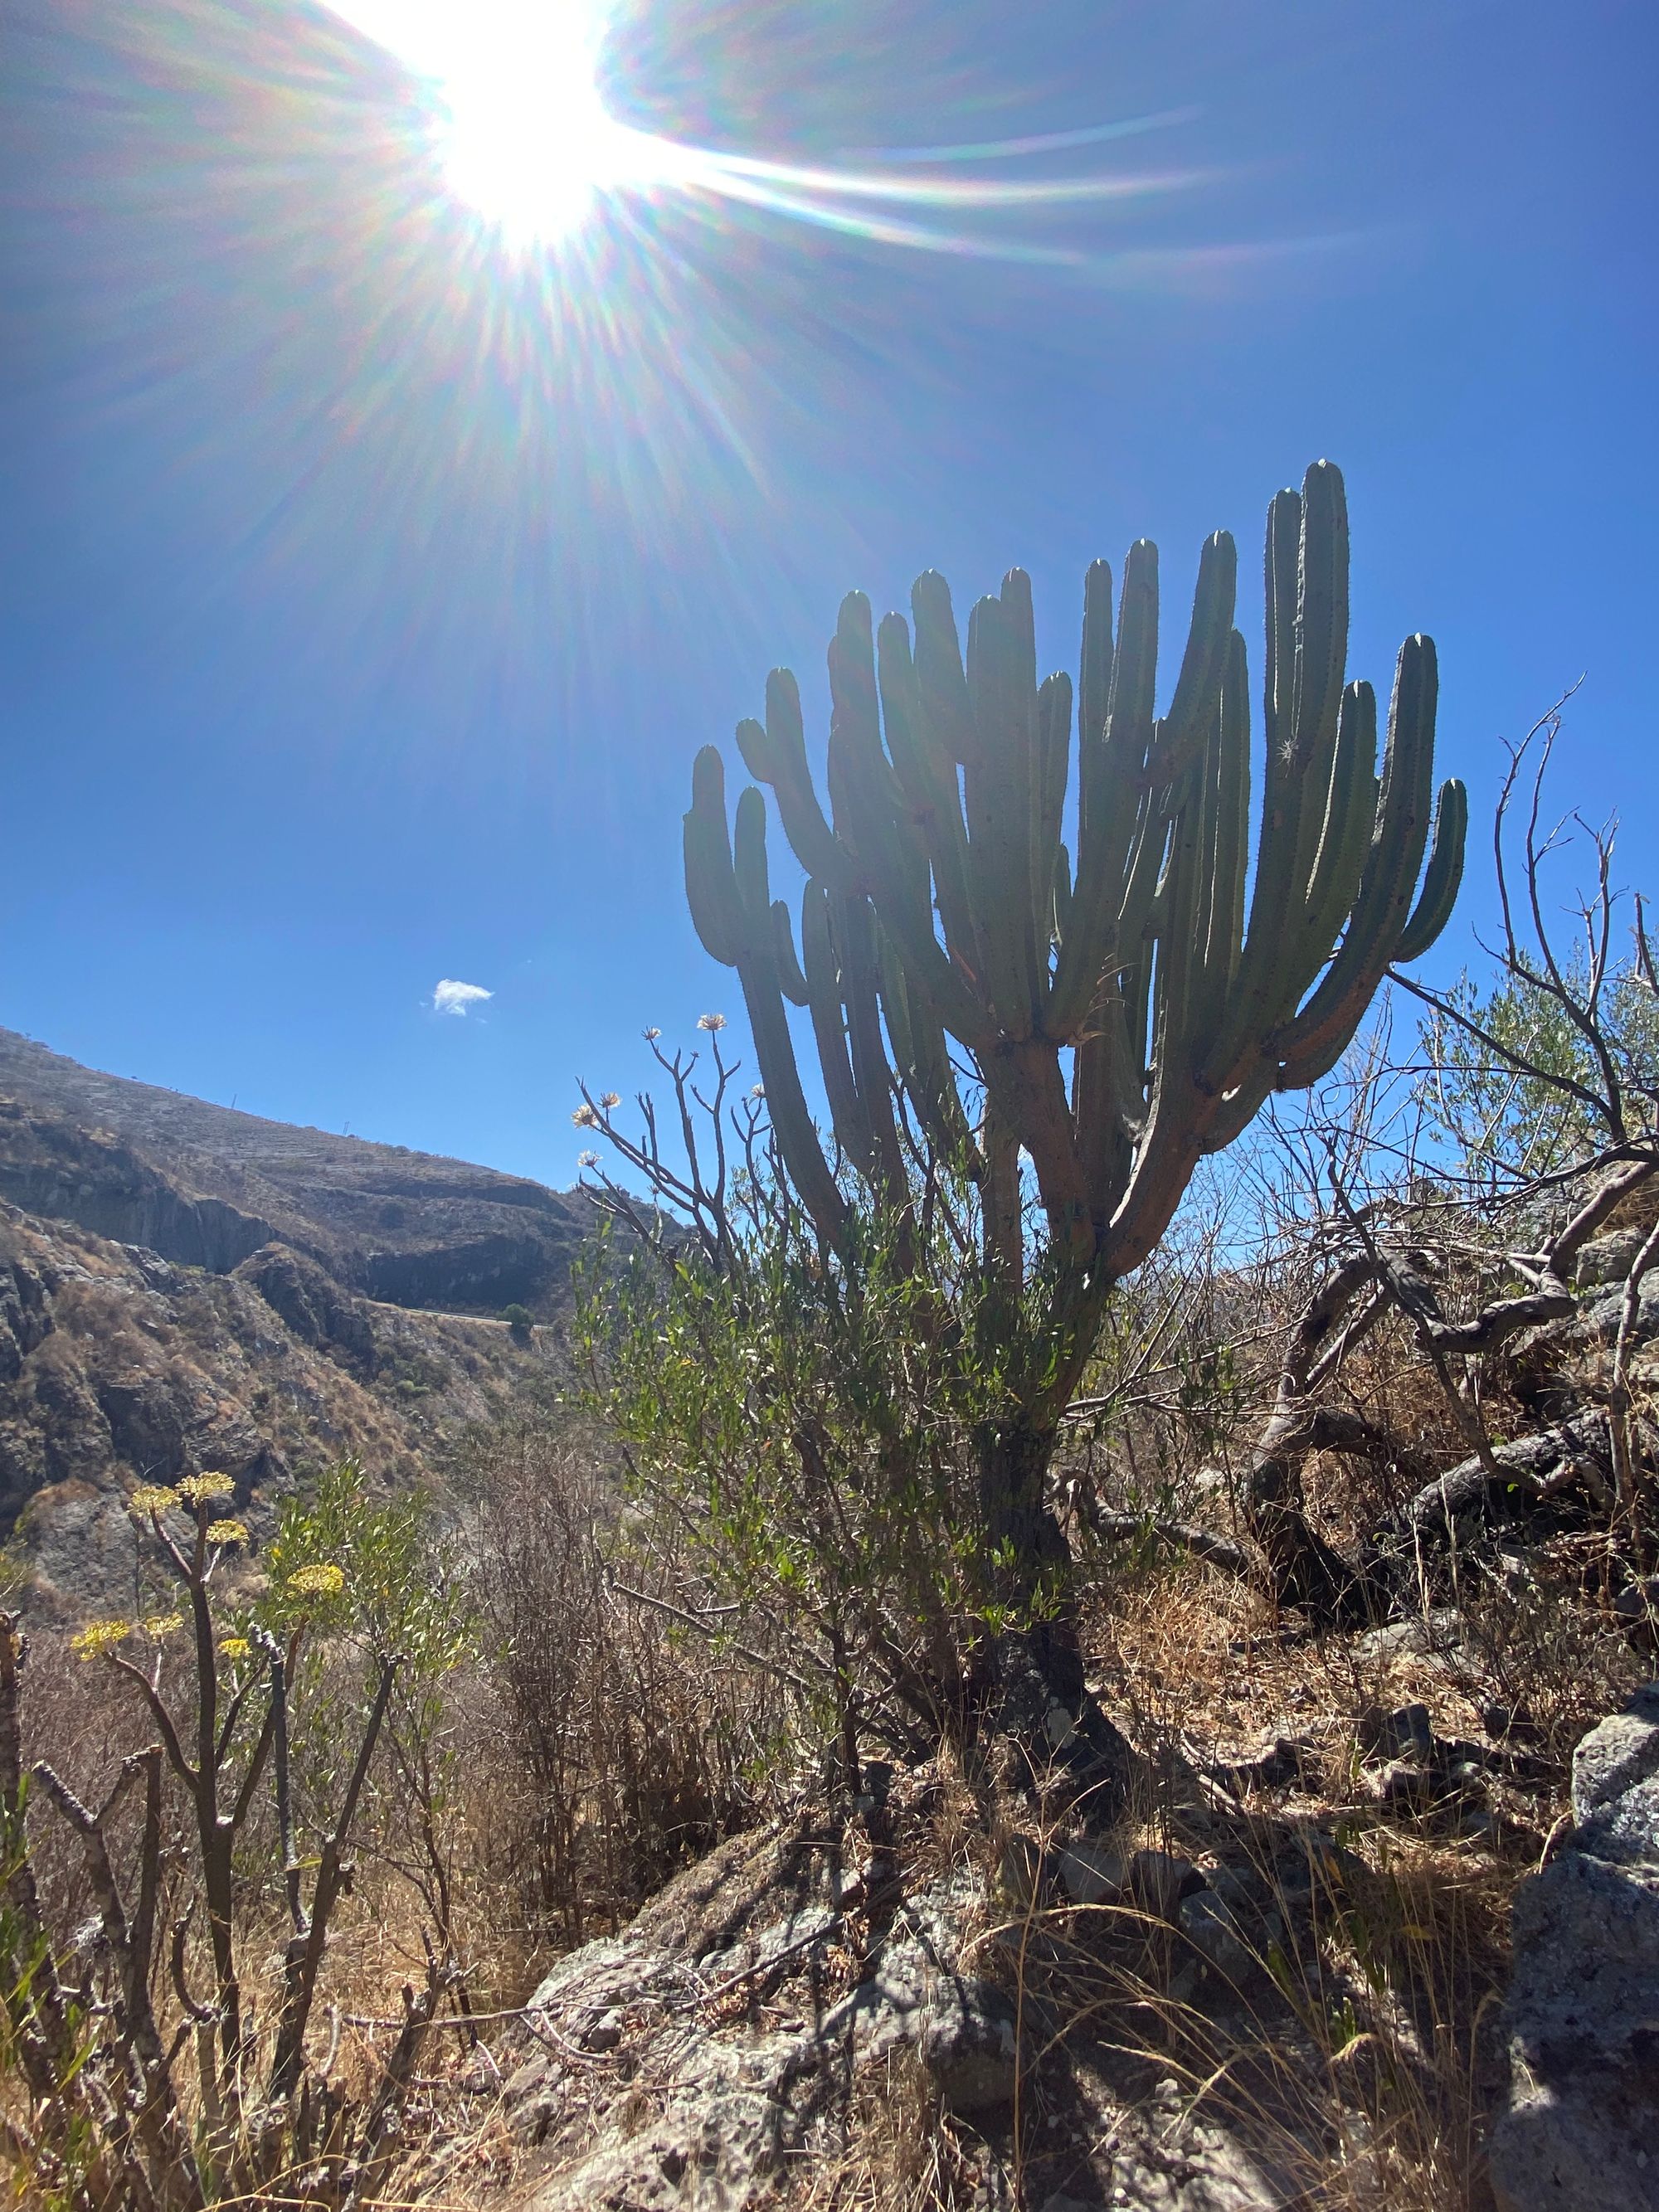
x=528 y=141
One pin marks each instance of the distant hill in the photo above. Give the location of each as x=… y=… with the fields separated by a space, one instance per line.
x=206 y=1187
x=183 y=1287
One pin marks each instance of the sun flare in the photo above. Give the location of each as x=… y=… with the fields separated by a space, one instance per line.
x=519 y=121
x=518 y=118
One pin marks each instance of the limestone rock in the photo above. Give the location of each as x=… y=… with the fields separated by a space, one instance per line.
x=1091 y=1874
x=1615 y=1785
x=1158 y=1880
x=969 y=2042
x=1580 y=2131
x=1209 y=1924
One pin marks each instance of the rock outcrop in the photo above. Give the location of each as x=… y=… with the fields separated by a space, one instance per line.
x=1580 y=2132
x=714 y=2053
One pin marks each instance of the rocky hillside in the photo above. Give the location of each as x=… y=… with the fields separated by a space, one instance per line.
x=184 y=1286
x=206 y=1187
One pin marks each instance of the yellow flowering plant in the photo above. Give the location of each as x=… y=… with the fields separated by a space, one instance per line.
x=201 y=1489
x=233 y=1712
x=99 y=1637
x=323 y=1579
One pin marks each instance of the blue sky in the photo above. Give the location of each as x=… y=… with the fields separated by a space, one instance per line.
x=368 y=587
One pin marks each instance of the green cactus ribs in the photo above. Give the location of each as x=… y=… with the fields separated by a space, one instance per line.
x=1125 y=1008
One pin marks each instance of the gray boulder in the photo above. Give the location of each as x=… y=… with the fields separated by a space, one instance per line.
x=1580 y=2130
x=969 y=2042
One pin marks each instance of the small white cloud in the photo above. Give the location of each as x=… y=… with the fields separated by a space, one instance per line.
x=452 y=998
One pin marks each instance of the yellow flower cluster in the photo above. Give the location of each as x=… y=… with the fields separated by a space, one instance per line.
x=152 y=1497
x=100 y=1635
x=199 y=1488
x=585 y=1117
x=712 y=1023
x=234 y=1647
x=324 y=1580
x=158 y=1624
x=226 y=1532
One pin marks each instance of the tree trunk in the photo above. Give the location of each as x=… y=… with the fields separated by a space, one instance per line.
x=1033 y=1691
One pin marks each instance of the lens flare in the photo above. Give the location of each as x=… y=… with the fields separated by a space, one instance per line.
x=527 y=142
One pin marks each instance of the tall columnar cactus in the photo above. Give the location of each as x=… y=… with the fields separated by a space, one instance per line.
x=1126 y=1013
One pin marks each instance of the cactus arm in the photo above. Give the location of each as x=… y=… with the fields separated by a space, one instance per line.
x=785 y=1102
x=852 y=1133
x=791 y=981
x=710 y=887
x=997 y=783
x=1094 y=691
x=1183 y=731
x=1134 y=928
x=1442 y=877
x=871 y=807
x=1314 y=1040
x=864 y=792
x=1053 y=766
x=776 y=755
x=1219 y=916
x=1062 y=895
x=1258 y=997
x=1108 y=832
x=1320 y=632
x=749 y=868
x=941 y=685
x=1345 y=838
x=1027 y=860
x=895 y=875
x=728 y=890
x=928 y=775
x=1321 y=613
x=1181 y=938
x=1168 y=1149
x=919 y=1048
x=854 y=927
x=1233 y=849
x=1281 y=565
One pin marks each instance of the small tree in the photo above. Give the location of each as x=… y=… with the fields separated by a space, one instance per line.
x=803 y=1432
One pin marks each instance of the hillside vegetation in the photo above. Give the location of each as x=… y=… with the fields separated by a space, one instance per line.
x=1076 y=1634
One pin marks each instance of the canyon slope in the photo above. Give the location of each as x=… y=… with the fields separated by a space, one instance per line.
x=184 y=1286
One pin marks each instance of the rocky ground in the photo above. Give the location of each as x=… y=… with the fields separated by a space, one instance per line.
x=1281 y=1988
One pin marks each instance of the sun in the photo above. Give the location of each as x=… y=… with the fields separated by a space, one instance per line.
x=526 y=140
x=514 y=105
x=520 y=120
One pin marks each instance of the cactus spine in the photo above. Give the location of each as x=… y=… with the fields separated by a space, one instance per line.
x=943 y=900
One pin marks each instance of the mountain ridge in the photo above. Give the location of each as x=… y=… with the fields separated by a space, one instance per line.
x=406 y=1227
x=184 y=1286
